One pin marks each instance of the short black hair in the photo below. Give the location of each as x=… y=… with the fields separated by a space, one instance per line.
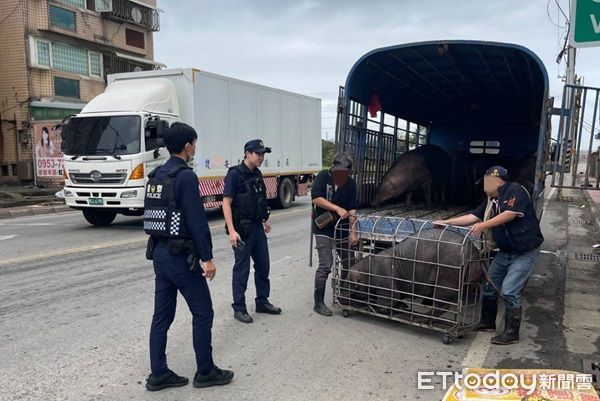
x=178 y=135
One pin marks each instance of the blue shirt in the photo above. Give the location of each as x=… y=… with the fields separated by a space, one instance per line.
x=189 y=201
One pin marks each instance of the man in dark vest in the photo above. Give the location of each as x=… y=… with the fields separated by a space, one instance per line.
x=246 y=214
x=180 y=238
x=334 y=197
x=516 y=232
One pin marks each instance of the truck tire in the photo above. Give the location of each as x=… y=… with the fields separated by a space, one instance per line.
x=99 y=217
x=285 y=194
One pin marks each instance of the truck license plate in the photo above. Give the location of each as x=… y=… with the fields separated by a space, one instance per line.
x=96 y=201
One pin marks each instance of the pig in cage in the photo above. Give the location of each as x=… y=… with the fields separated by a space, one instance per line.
x=412 y=272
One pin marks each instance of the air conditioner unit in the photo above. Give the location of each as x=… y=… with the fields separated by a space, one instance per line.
x=25 y=170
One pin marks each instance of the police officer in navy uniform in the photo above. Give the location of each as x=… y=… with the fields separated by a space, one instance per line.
x=246 y=214
x=180 y=238
x=516 y=232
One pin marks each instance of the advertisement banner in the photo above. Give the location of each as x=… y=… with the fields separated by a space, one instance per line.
x=47 y=148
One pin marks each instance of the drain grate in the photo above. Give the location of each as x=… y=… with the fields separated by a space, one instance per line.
x=590 y=257
x=582 y=222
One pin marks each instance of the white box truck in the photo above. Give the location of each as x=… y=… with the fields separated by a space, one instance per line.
x=112 y=145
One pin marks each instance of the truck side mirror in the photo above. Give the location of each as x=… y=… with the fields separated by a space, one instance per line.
x=161 y=128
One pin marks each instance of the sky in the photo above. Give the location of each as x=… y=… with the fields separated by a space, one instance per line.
x=309 y=46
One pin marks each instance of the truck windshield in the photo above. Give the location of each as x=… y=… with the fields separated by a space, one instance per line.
x=107 y=136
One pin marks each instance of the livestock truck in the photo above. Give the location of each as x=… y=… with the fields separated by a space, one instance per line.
x=483 y=103
x=117 y=139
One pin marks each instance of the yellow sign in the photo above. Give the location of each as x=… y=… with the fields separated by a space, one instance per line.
x=522 y=385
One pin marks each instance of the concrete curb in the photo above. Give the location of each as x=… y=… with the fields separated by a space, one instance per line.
x=33 y=210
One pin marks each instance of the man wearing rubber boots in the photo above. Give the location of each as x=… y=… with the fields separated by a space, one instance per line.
x=334 y=197
x=516 y=232
x=246 y=214
x=180 y=238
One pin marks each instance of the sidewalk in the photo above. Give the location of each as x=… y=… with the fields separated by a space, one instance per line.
x=17 y=201
x=582 y=300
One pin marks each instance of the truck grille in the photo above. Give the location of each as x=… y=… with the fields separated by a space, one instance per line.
x=106 y=178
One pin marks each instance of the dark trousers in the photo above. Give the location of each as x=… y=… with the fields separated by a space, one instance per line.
x=173 y=274
x=257 y=248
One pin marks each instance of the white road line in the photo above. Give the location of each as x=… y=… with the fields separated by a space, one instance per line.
x=281 y=260
x=5 y=237
x=477 y=351
x=134 y=240
x=28 y=224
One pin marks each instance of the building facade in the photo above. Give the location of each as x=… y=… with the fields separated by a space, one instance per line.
x=54 y=58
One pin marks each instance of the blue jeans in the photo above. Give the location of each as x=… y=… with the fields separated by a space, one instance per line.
x=257 y=248
x=172 y=275
x=510 y=273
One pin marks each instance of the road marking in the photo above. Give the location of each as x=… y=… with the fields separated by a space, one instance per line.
x=281 y=260
x=477 y=351
x=28 y=224
x=118 y=243
x=5 y=237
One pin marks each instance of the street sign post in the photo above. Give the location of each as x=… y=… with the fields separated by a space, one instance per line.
x=585 y=23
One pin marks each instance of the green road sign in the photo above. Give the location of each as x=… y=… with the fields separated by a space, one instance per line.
x=585 y=23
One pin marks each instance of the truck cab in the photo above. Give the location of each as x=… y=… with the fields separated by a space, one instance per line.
x=112 y=145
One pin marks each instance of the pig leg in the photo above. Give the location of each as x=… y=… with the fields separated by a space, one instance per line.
x=408 y=199
x=427 y=190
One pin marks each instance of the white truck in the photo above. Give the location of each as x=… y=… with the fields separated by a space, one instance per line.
x=116 y=140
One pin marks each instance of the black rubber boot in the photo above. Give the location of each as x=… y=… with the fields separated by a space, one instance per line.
x=489 y=309
x=512 y=324
x=320 y=306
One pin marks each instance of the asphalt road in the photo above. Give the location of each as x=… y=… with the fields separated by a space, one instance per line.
x=76 y=303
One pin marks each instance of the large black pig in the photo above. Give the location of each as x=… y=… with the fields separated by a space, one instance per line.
x=425 y=168
x=425 y=265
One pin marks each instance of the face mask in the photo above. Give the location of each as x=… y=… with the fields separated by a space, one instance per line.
x=190 y=157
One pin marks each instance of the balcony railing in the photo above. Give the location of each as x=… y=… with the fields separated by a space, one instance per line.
x=124 y=10
x=114 y=64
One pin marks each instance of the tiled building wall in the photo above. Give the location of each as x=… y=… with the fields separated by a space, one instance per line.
x=90 y=26
x=25 y=18
x=13 y=85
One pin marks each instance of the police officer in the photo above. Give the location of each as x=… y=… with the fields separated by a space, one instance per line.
x=246 y=214
x=179 y=237
x=516 y=232
x=334 y=197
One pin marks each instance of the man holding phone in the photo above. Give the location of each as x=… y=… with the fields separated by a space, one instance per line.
x=246 y=214
x=334 y=197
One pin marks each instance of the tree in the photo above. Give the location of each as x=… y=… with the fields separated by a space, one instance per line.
x=327 y=150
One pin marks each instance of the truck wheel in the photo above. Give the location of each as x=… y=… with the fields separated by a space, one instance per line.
x=285 y=194
x=99 y=217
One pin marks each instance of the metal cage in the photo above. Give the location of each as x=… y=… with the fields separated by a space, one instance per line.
x=409 y=271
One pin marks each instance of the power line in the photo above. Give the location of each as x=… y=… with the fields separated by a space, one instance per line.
x=561 y=10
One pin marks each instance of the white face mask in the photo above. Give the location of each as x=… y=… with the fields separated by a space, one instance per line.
x=190 y=157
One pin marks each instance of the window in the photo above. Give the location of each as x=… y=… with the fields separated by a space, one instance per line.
x=63 y=57
x=95 y=64
x=62 y=18
x=69 y=58
x=43 y=53
x=100 y=6
x=134 y=38
x=66 y=87
x=487 y=147
x=76 y=3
